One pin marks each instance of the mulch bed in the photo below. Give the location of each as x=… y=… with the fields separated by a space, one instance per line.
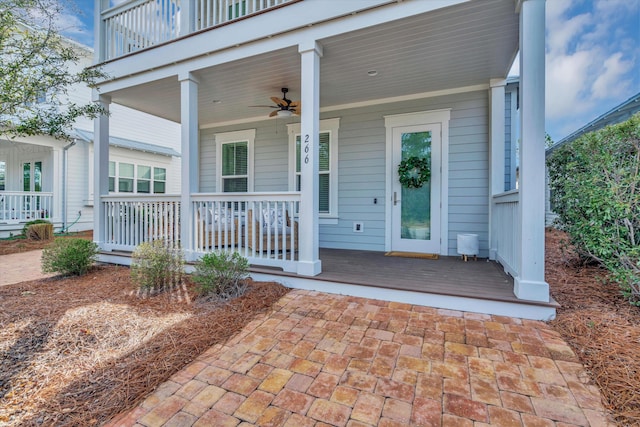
x=17 y=245
x=79 y=351
x=599 y=324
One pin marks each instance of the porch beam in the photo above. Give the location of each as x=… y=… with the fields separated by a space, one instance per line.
x=497 y=150
x=189 y=159
x=530 y=283
x=309 y=263
x=100 y=166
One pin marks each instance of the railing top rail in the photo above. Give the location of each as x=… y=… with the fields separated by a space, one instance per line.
x=26 y=193
x=288 y=196
x=142 y=198
x=507 y=196
x=122 y=7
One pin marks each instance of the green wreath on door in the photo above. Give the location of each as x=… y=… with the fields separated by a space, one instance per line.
x=414 y=172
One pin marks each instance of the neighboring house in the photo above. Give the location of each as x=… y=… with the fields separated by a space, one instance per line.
x=45 y=178
x=617 y=114
x=314 y=187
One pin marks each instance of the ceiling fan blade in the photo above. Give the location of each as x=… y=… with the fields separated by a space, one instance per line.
x=297 y=111
x=294 y=103
x=273 y=113
x=280 y=102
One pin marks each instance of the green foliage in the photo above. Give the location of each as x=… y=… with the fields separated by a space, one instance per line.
x=221 y=275
x=30 y=223
x=157 y=267
x=36 y=74
x=596 y=193
x=69 y=256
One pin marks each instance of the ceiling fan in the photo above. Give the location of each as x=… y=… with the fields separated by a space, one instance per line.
x=284 y=107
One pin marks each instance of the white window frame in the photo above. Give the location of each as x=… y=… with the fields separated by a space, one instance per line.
x=330 y=126
x=248 y=135
x=135 y=177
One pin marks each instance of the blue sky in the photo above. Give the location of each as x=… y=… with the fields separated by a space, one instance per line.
x=593 y=56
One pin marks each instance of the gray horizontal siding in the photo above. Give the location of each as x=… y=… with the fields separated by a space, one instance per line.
x=361 y=168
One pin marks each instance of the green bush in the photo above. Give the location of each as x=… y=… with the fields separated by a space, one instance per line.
x=156 y=266
x=221 y=275
x=69 y=256
x=30 y=223
x=595 y=183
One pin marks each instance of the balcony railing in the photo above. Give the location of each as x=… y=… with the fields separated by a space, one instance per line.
x=23 y=206
x=260 y=226
x=506 y=232
x=139 y=24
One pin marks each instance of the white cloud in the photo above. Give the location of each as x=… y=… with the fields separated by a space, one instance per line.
x=592 y=59
x=611 y=82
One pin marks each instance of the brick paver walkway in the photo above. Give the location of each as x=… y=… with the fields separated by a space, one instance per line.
x=329 y=360
x=21 y=267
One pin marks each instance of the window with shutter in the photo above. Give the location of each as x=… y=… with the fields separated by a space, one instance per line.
x=327 y=165
x=234 y=161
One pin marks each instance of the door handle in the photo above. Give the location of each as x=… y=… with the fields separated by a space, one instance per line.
x=395 y=198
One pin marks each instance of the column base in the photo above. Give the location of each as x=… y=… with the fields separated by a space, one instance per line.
x=309 y=268
x=531 y=290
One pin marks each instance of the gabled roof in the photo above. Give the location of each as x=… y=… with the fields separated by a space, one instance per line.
x=616 y=115
x=114 y=141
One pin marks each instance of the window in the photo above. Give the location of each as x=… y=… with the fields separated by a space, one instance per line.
x=159 y=180
x=3 y=175
x=141 y=179
x=143 y=183
x=235 y=161
x=112 y=176
x=125 y=178
x=328 y=165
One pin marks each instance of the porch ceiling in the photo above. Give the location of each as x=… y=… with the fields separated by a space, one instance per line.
x=458 y=46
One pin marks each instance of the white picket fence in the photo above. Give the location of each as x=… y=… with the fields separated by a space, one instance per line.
x=23 y=206
x=138 y=24
x=506 y=230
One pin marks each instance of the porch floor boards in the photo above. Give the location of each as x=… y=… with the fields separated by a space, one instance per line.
x=447 y=275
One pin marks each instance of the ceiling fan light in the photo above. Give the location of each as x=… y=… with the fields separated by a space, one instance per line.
x=284 y=113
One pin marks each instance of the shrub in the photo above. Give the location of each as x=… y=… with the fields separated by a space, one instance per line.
x=221 y=275
x=40 y=232
x=30 y=223
x=596 y=193
x=156 y=266
x=69 y=256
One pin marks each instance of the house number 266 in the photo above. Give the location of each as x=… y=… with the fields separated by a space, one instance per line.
x=306 y=149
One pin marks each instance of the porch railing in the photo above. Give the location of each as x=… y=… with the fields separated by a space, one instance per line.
x=130 y=221
x=138 y=24
x=506 y=230
x=23 y=206
x=262 y=227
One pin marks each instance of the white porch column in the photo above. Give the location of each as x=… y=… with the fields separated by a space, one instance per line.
x=308 y=254
x=57 y=185
x=497 y=159
x=189 y=151
x=187 y=17
x=100 y=167
x=99 y=42
x=530 y=283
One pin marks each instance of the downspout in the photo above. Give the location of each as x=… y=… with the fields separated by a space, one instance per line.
x=64 y=183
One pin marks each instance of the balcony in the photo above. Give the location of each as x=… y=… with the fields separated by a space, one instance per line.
x=140 y=24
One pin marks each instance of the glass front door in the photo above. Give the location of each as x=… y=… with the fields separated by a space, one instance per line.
x=416 y=211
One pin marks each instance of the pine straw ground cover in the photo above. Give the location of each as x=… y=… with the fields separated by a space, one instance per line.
x=78 y=351
x=19 y=244
x=600 y=325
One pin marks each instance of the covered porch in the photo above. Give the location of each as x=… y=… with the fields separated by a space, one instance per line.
x=29 y=183
x=450 y=91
